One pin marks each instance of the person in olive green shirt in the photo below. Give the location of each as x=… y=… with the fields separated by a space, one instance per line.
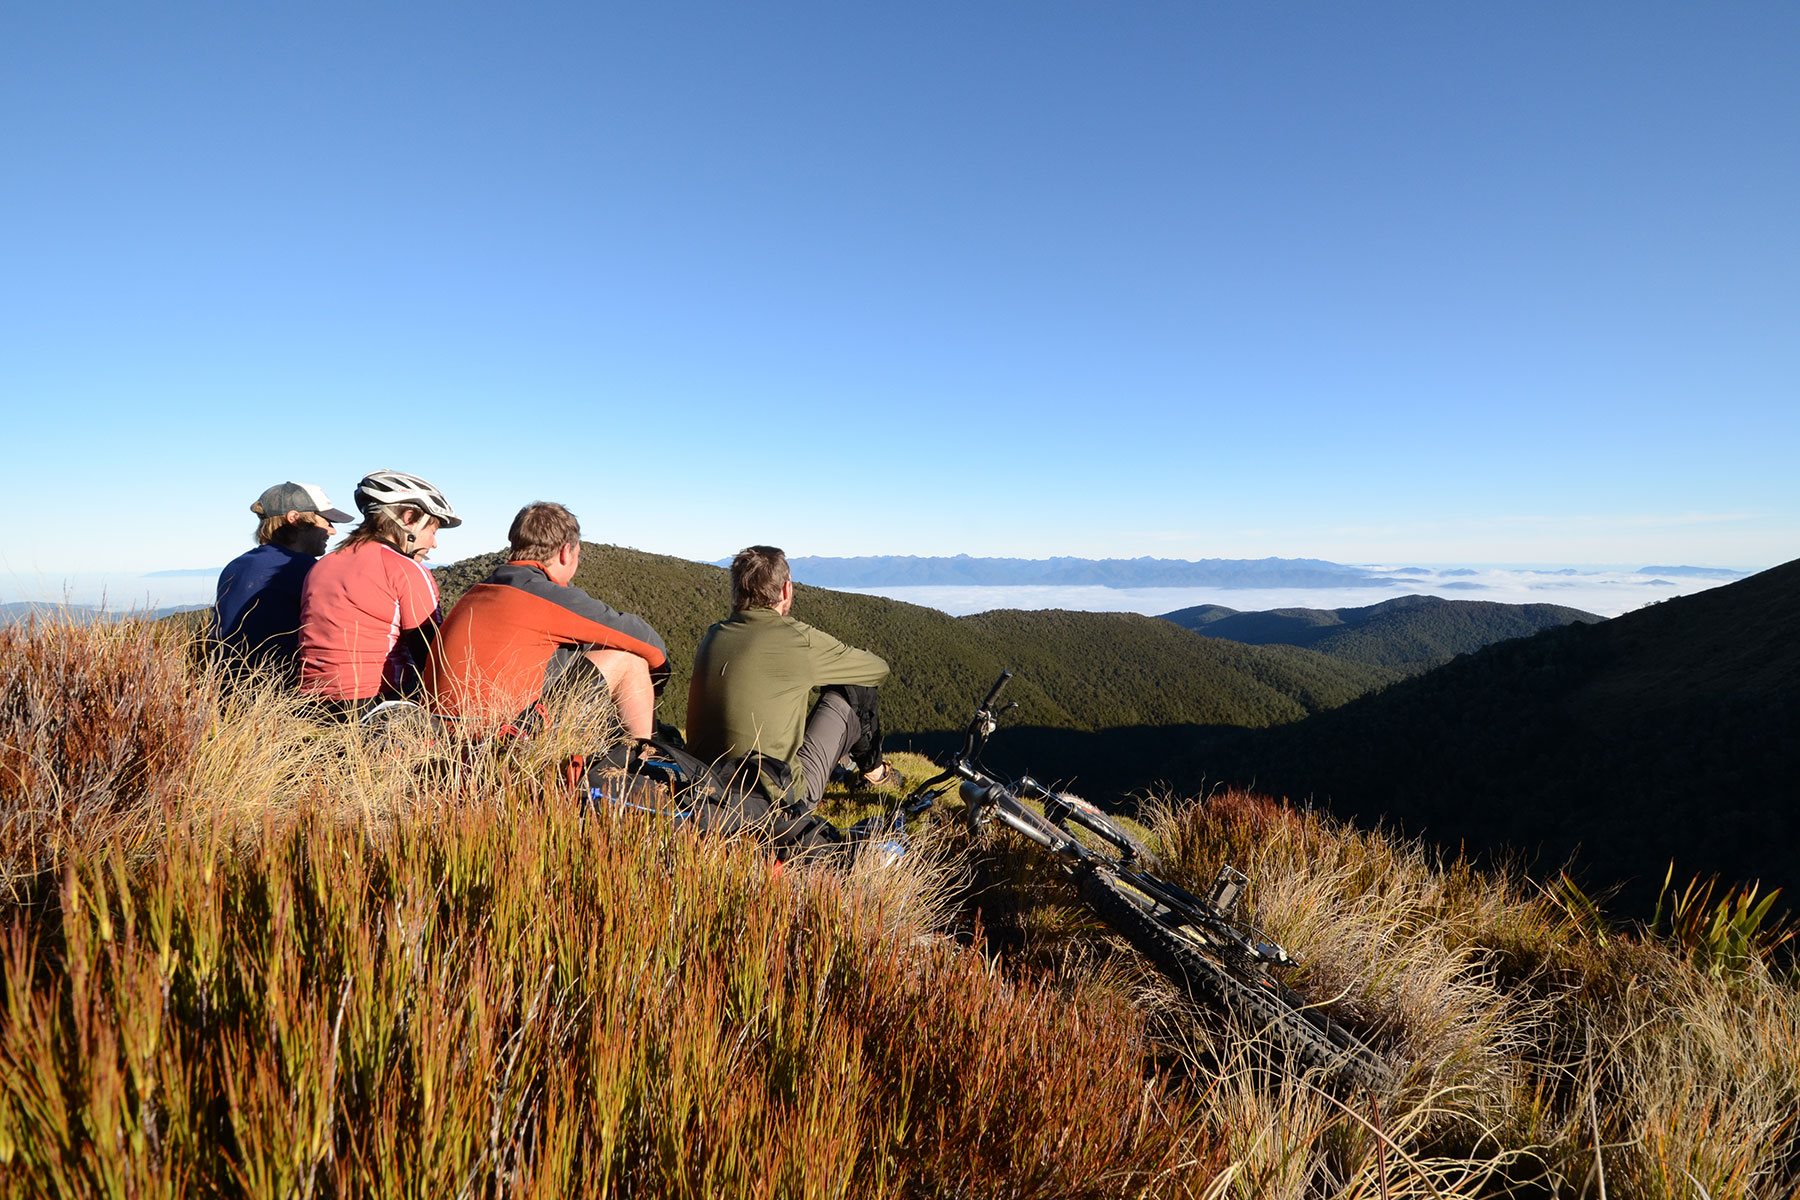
x=766 y=683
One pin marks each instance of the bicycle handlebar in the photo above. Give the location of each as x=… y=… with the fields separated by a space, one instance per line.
x=982 y=791
x=994 y=692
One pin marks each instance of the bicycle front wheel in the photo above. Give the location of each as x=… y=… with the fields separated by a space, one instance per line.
x=1238 y=992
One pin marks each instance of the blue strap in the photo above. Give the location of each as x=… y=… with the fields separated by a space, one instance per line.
x=622 y=802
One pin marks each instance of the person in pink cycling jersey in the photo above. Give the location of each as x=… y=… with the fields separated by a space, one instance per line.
x=369 y=608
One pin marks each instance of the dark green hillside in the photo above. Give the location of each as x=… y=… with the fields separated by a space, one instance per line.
x=1408 y=633
x=1076 y=671
x=1671 y=732
x=1144 y=671
x=1200 y=616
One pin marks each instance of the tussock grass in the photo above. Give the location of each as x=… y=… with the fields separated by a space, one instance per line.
x=544 y=1002
x=248 y=952
x=345 y=963
x=1540 y=1050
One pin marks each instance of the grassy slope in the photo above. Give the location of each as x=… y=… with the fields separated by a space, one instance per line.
x=1671 y=732
x=245 y=954
x=1409 y=633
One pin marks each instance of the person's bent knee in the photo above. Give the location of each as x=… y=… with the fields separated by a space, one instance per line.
x=834 y=700
x=619 y=665
x=628 y=678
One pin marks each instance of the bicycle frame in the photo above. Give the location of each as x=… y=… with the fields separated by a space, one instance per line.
x=988 y=797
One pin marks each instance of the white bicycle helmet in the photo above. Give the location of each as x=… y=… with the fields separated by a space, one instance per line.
x=397 y=487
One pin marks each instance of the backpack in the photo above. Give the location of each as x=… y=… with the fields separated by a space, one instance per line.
x=657 y=774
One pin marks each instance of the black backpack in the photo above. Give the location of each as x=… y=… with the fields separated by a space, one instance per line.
x=658 y=775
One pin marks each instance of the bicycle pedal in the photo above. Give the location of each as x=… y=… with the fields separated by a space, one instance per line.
x=1227 y=890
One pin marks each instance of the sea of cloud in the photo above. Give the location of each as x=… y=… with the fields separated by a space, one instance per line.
x=1605 y=592
x=116 y=591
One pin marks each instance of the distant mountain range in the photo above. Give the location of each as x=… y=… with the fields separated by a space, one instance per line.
x=1407 y=633
x=1696 y=572
x=888 y=571
x=907 y=571
x=82 y=614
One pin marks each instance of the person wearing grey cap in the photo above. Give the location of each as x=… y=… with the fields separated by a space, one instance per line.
x=256 y=618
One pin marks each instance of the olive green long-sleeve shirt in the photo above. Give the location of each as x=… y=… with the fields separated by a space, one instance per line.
x=757 y=675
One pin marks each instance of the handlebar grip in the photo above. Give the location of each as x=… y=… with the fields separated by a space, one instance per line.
x=994 y=692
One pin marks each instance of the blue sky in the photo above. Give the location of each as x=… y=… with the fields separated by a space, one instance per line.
x=1377 y=282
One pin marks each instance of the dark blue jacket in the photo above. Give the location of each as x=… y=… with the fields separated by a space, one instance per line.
x=256 y=619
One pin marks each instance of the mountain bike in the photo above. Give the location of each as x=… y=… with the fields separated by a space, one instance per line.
x=1199 y=943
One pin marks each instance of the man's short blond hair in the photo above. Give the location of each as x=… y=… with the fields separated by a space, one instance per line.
x=540 y=530
x=758 y=574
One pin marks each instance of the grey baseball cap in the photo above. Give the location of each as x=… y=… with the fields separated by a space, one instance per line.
x=298 y=497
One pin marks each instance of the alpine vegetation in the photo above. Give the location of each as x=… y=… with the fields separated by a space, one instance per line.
x=249 y=952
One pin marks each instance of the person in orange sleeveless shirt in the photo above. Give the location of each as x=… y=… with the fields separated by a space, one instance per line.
x=368 y=609
x=525 y=629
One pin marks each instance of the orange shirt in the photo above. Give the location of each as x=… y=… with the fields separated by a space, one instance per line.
x=504 y=641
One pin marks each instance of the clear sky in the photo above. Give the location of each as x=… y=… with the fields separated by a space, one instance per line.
x=1369 y=282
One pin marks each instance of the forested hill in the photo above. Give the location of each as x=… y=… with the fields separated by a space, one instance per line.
x=1075 y=671
x=1670 y=732
x=1408 y=633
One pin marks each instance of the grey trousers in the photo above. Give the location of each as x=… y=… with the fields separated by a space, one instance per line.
x=831 y=729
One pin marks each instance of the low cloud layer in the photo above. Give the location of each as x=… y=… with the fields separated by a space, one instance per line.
x=1607 y=593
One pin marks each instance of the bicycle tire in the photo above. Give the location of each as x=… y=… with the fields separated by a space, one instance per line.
x=1233 y=991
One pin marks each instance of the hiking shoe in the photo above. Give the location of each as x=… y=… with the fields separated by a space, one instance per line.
x=886 y=775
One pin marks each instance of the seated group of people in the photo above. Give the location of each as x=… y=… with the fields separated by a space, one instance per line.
x=363 y=624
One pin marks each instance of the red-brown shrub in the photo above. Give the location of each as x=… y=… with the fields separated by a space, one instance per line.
x=97 y=723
